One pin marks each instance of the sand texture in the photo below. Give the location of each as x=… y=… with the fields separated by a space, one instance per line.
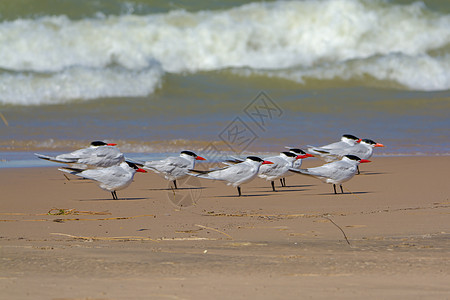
x=389 y=238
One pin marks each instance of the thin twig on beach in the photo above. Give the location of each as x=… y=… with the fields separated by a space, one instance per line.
x=345 y=236
x=210 y=228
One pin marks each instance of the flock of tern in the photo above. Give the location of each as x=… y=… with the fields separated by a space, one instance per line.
x=104 y=163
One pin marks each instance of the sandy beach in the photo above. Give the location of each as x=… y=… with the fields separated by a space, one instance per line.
x=387 y=237
x=221 y=78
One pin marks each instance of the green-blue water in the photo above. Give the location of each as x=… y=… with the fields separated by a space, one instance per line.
x=161 y=76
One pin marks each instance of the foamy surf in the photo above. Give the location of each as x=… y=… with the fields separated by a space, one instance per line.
x=74 y=83
x=53 y=59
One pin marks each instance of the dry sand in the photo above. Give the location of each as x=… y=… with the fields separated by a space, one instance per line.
x=264 y=245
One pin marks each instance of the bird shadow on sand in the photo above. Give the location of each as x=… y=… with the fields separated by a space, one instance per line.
x=298 y=186
x=178 y=189
x=243 y=196
x=345 y=193
x=283 y=189
x=113 y=200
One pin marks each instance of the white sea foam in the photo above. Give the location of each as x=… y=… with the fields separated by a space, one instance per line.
x=77 y=83
x=323 y=39
x=420 y=72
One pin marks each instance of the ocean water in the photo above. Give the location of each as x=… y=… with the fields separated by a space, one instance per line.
x=238 y=76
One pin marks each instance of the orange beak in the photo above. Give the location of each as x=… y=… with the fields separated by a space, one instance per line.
x=364 y=161
x=301 y=157
x=266 y=162
x=111 y=144
x=200 y=158
x=309 y=155
x=359 y=141
x=379 y=145
x=141 y=170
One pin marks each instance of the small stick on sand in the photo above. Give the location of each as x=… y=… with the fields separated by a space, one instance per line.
x=345 y=236
x=201 y=226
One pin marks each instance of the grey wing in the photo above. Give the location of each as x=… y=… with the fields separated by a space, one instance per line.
x=325 y=154
x=93 y=174
x=108 y=176
x=278 y=165
x=55 y=159
x=326 y=170
x=238 y=173
x=226 y=173
x=211 y=174
x=335 y=170
x=336 y=145
x=75 y=155
x=233 y=160
x=168 y=165
x=68 y=158
x=316 y=150
x=105 y=156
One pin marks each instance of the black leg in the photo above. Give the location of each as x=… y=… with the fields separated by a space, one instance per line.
x=281 y=181
x=239 y=190
x=273 y=185
x=114 y=194
x=357 y=167
x=114 y=198
x=284 y=182
x=175 y=184
x=342 y=191
x=334 y=187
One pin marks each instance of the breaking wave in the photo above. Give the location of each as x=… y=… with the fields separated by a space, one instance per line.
x=53 y=59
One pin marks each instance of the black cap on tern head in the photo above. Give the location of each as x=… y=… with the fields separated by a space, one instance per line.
x=297 y=151
x=190 y=153
x=369 y=141
x=351 y=137
x=255 y=158
x=353 y=157
x=289 y=154
x=98 y=143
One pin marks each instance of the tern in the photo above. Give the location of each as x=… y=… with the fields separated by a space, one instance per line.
x=297 y=163
x=111 y=179
x=332 y=151
x=98 y=154
x=235 y=175
x=335 y=172
x=281 y=165
x=363 y=150
x=174 y=167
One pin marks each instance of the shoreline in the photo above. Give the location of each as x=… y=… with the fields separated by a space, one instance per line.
x=203 y=242
x=26 y=159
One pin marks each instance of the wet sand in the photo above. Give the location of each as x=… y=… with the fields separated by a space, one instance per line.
x=203 y=242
